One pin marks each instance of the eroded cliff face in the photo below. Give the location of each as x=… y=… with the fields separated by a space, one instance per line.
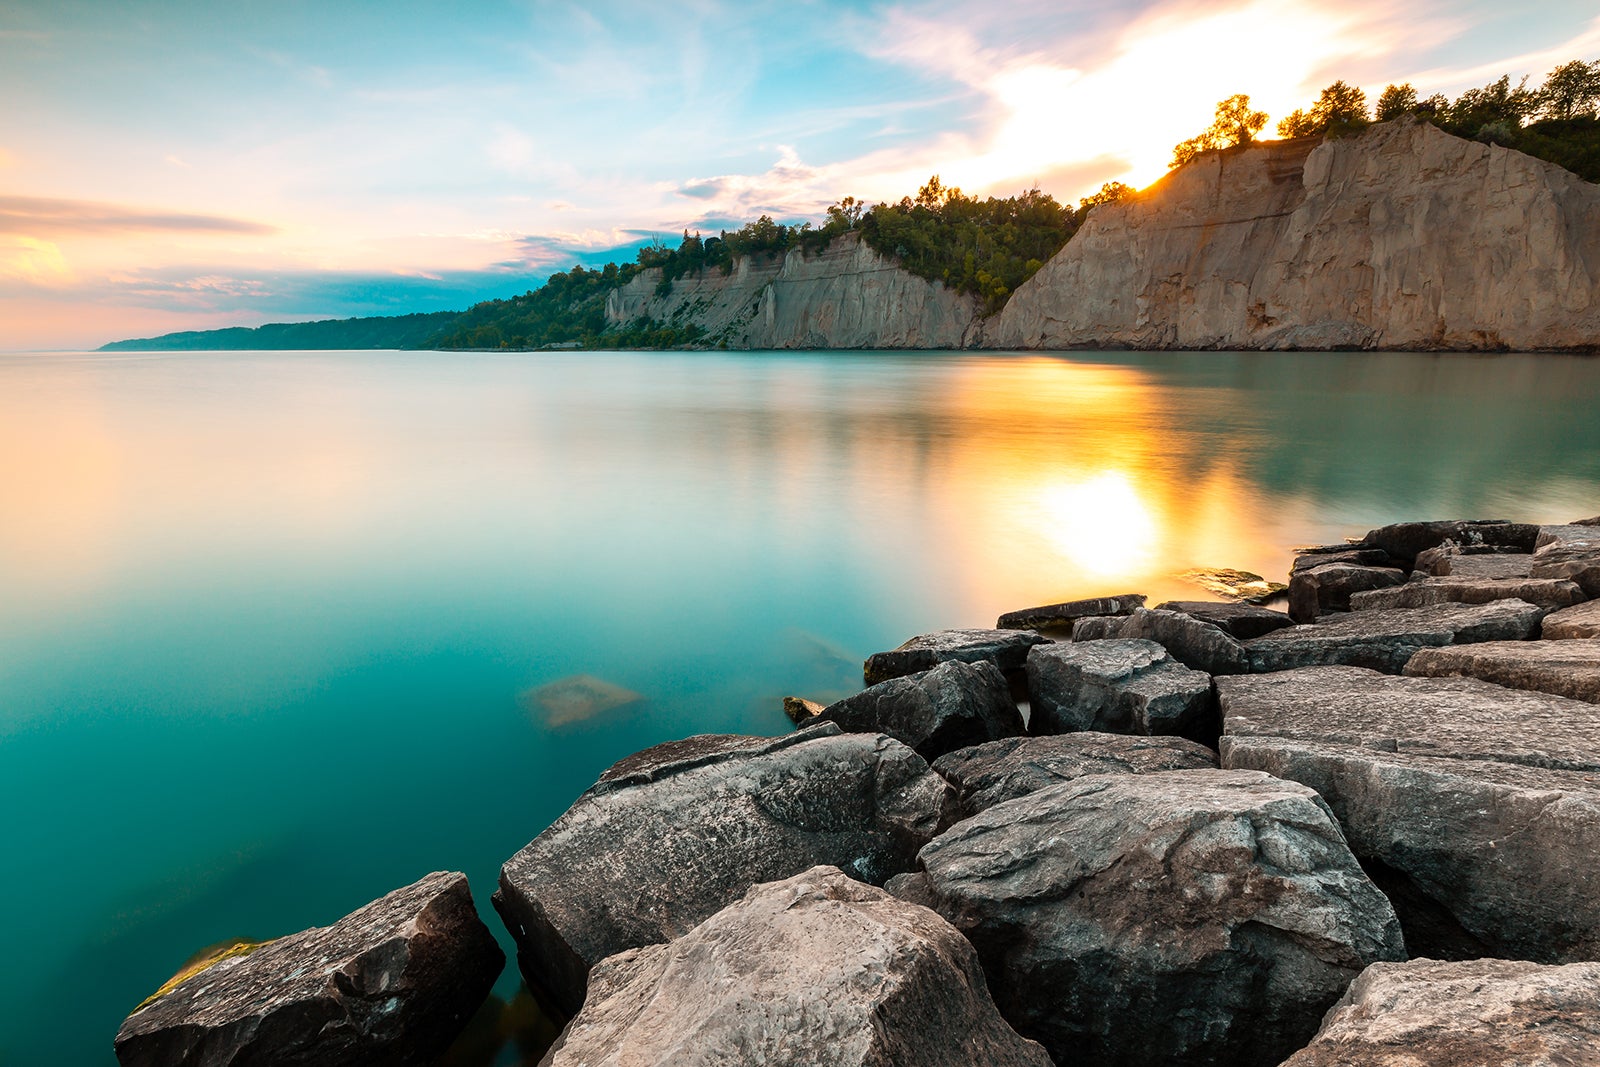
x=846 y=296
x=1403 y=237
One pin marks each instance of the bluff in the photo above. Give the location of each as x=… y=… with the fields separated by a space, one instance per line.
x=1401 y=237
x=846 y=296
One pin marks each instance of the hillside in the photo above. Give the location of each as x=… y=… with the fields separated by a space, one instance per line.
x=391 y=331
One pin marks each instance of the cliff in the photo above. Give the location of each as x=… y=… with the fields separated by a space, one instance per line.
x=846 y=296
x=1403 y=237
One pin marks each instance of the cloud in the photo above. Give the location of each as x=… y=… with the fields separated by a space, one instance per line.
x=1538 y=64
x=35 y=215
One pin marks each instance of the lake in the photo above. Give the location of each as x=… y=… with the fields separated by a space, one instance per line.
x=273 y=625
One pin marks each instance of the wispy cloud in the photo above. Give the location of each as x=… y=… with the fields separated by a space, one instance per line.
x=47 y=215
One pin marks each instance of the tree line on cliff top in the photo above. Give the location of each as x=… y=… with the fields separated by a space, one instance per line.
x=988 y=247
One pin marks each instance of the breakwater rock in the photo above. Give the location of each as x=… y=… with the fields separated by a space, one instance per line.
x=1205 y=833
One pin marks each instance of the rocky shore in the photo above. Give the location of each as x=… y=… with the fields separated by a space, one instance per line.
x=1361 y=831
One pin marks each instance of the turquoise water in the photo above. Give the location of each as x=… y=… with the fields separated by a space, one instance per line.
x=267 y=620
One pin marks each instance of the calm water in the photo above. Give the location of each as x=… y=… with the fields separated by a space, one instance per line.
x=265 y=618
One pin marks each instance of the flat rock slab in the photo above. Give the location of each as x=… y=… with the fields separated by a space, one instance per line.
x=1242 y=621
x=1191 y=641
x=816 y=969
x=1574 y=623
x=1476 y=1013
x=682 y=830
x=1404 y=540
x=1482 y=565
x=1321 y=590
x=993 y=773
x=1545 y=592
x=1118 y=686
x=1386 y=640
x=1006 y=649
x=1321 y=557
x=1188 y=917
x=1574 y=561
x=1483 y=802
x=1062 y=616
x=952 y=706
x=1565 y=668
x=392 y=983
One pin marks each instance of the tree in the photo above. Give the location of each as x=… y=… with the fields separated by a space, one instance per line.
x=1395 y=101
x=1340 y=109
x=1496 y=104
x=1235 y=124
x=1571 y=91
x=1109 y=193
x=934 y=194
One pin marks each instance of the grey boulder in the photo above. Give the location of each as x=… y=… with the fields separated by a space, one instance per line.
x=1326 y=554
x=1242 y=621
x=1405 y=540
x=1062 y=616
x=1545 y=592
x=1476 y=1013
x=816 y=969
x=993 y=773
x=675 y=833
x=1565 y=668
x=1006 y=649
x=392 y=983
x=1322 y=590
x=1119 y=686
x=1480 y=562
x=1386 y=639
x=1189 y=917
x=1475 y=806
x=952 y=706
x=1192 y=641
x=1577 y=622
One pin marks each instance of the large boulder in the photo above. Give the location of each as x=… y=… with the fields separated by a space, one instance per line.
x=993 y=773
x=816 y=969
x=1006 y=649
x=1480 y=562
x=1476 y=1013
x=1062 y=616
x=1321 y=590
x=1403 y=541
x=1120 y=686
x=1386 y=640
x=390 y=984
x=1478 y=807
x=1188 y=917
x=1192 y=641
x=1574 y=561
x=1457 y=589
x=1323 y=555
x=1565 y=668
x=1239 y=620
x=1577 y=622
x=672 y=835
x=952 y=706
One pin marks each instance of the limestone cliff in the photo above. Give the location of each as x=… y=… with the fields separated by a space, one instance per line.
x=846 y=296
x=1403 y=237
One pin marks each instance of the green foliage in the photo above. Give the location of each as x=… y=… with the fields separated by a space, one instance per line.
x=984 y=247
x=1235 y=124
x=1570 y=92
x=377 y=331
x=1110 y=193
x=1340 y=109
x=569 y=309
x=1396 y=100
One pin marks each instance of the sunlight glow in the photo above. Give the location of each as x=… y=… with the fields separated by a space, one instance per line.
x=1101 y=524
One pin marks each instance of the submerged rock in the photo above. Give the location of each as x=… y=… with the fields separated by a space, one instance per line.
x=1565 y=668
x=817 y=969
x=1185 y=917
x=952 y=706
x=1580 y=621
x=1477 y=1013
x=574 y=699
x=1460 y=589
x=1062 y=616
x=675 y=833
x=992 y=773
x=1117 y=686
x=392 y=983
x=1242 y=621
x=1481 y=804
x=1386 y=640
x=1329 y=588
x=1006 y=649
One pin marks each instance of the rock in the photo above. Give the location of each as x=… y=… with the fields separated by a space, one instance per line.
x=1191 y=641
x=684 y=829
x=1564 y=668
x=1242 y=621
x=1569 y=535
x=1347 y=554
x=1182 y=917
x=993 y=773
x=1320 y=590
x=1401 y=237
x=1426 y=592
x=1006 y=649
x=816 y=969
x=801 y=711
x=1479 y=805
x=1404 y=541
x=1576 y=561
x=1062 y=616
x=1117 y=686
x=1476 y=1013
x=1580 y=621
x=1386 y=640
x=574 y=699
x=1098 y=628
x=952 y=706
x=392 y=983
x=1228 y=582
x=1476 y=561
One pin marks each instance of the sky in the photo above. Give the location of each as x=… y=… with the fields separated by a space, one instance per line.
x=178 y=164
